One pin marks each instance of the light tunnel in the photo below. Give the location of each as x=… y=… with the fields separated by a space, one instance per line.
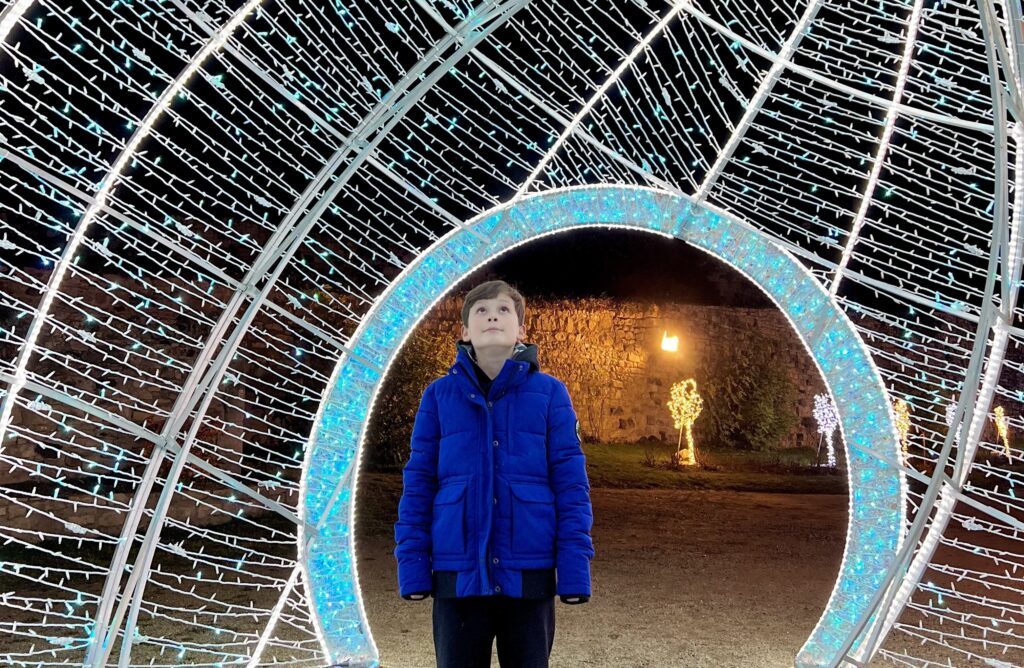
x=180 y=177
x=876 y=484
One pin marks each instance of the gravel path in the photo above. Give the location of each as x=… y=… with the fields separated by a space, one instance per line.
x=695 y=579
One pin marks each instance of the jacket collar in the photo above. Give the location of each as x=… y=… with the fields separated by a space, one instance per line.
x=517 y=367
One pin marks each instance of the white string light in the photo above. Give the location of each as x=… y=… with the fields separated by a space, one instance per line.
x=827 y=417
x=151 y=153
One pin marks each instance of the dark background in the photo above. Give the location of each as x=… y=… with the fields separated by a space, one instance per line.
x=621 y=264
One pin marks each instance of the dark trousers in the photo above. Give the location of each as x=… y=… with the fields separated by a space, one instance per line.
x=465 y=629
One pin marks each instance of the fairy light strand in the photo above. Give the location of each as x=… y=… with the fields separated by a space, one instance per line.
x=232 y=154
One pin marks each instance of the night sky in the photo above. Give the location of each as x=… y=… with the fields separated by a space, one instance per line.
x=621 y=264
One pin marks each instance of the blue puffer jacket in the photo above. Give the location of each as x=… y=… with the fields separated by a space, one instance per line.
x=495 y=484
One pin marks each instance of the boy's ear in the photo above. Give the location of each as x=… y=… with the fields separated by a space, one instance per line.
x=465 y=334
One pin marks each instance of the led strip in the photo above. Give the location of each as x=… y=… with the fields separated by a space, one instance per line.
x=329 y=481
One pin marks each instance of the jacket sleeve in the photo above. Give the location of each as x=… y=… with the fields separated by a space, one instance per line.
x=574 y=516
x=416 y=508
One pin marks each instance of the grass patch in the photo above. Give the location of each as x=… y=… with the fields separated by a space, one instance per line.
x=641 y=466
x=647 y=466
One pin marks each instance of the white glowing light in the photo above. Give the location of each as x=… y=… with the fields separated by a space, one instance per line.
x=297 y=185
x=950 y=416
x=827 y=417
x=332 y=456
x=11 y=15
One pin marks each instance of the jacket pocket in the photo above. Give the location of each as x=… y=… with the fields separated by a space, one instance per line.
x=448 y=529
x=533 y=519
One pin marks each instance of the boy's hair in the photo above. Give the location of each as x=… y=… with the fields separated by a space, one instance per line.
x=491 y=290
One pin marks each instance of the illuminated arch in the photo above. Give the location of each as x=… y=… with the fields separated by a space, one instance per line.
x=874 y=533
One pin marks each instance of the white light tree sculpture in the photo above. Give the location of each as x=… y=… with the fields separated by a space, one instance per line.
x=685 y=405
x=827 y=417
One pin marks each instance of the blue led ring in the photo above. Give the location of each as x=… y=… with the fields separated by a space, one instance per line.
x=877 y=489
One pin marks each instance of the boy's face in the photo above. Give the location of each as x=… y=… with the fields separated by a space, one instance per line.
x=493 y=323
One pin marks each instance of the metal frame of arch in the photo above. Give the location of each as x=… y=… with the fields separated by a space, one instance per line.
x=354 y=150
x=877 y=485
x=522 y=218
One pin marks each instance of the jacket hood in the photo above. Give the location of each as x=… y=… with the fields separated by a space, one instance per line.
x=523 y=352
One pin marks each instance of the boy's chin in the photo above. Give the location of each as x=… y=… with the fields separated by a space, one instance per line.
x=492 y=345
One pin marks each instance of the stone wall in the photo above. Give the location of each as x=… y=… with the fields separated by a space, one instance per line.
x=609 y=356
x=29 y=517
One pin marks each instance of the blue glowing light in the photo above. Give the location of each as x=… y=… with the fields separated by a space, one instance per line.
x=876 y=500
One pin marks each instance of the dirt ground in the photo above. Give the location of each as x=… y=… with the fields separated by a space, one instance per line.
x=680 y=578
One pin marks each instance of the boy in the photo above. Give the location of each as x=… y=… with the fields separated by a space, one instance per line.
x=496 y=505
